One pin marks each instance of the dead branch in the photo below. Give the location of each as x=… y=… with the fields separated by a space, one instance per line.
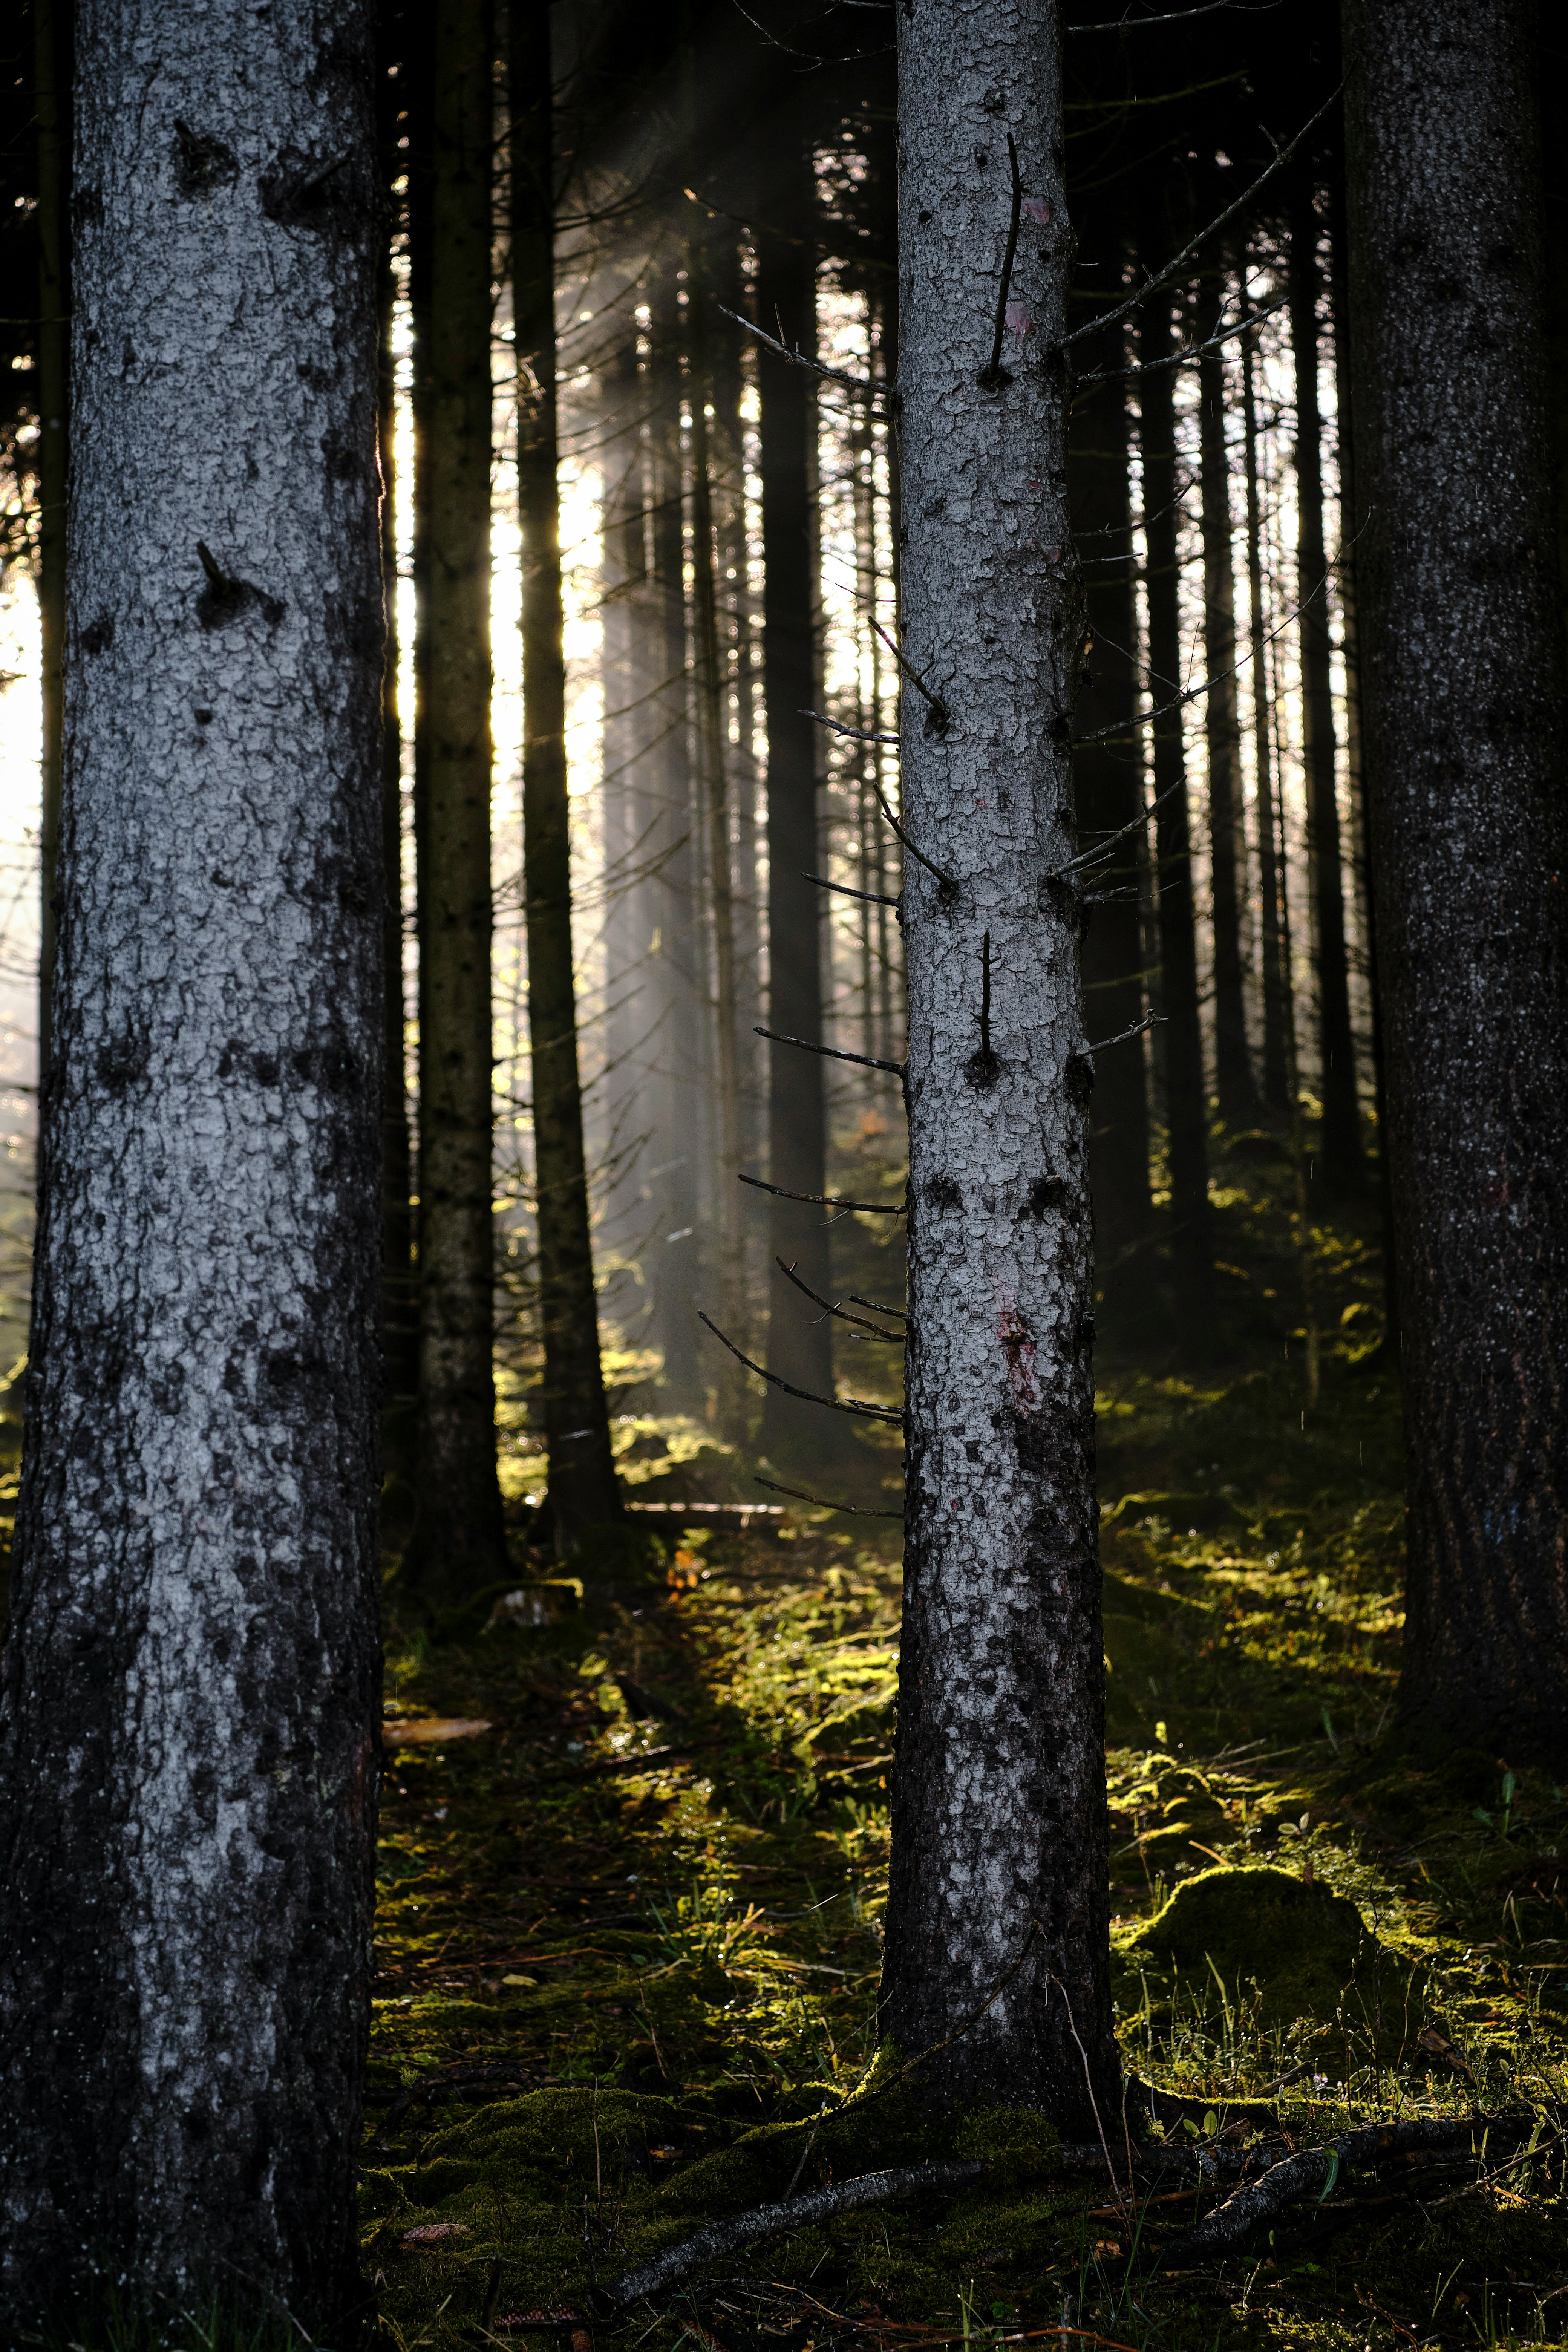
x=1186 y=351
x=816 y=1298
x=852 y=734
x=717 y=2238
x=831 y=1053
x=876 y=1307
x=1139 y=1028
x=808 y=1396
x=876 y=898
x=798 y=359
x=856 y=1510
x=834 y=1201
x=941 y=715
x=1315 y=2170
x=993 y=375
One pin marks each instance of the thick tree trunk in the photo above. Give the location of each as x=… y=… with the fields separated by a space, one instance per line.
x=189 y=1724
x=51 y=96
x=583 y=1492
x=1342 y=1170
x=1109 y=782
x=1462 y=704
x=1232 y=1065
x=1186 y=1100
x=997 y=1903
x=1275 y=1075
x=457 y=1540
x=800 y=1341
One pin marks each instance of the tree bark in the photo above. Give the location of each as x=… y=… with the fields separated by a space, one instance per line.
x=800 y=1340
x=1109 y=782
x=583 y=1492
x=1275 y=1075
x=1342 y=1170
x=1462 y=704
x=1233 y=1065
x=458 y=1543
x=189 y=1719
x=51 y=96
x=1186 y=1099
x=997 y=1905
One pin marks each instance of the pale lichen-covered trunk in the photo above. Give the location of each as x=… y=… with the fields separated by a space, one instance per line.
x=998 y=1913
x=188 y=1727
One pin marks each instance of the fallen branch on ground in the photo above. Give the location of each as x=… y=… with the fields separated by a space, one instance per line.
x=1314 y=2171
x=717 y=2238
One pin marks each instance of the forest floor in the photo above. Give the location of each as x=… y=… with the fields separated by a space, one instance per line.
x=629 y=1935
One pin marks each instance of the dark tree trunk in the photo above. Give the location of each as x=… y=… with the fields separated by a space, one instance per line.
x=51 y=96
x=1187 y=1104
x=458 y=1540
x=997 y=1937
x=583 y=1492
x=675 y=1239
x=1341 y=1169
x=1276 y=1072
x=1109 y=785
x=190 y=1713
x=800 y=1344
x=399 y=1290
x=1233 y=1085
x=1462 y=701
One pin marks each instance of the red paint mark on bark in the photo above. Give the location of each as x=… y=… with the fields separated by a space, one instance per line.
x=1037 y=209
x=1018 y=1348
x=1019 y=322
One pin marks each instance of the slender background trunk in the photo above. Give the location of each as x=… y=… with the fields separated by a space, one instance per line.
x=458 y=1542
x=1462 y=701
x=51 y=85
x=997 y=1907
x=190 y=1712
x=1276 y=1076
x=1232 y=1065
x=583 y=1491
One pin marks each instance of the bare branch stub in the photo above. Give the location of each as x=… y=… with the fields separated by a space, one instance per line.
x=993 y=375
x=940 y=717
x=1101 y=1044
x=831 y=1053
x=824 y=1503
x=789 y=1273
x=834 y=1405
x=799 y=359
x=873 y=898
x=830 y=1201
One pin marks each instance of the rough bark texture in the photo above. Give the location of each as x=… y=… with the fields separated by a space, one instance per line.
x=1233 y=1066
x=1108 y=780
x=997 y=1909
x=1340 y=1170
x=583 y=1492
x=457 y=1540
x=1461 y=683
x=1181 y=1037
x=52 y=97
x=800 y=1339
x=189 y=1719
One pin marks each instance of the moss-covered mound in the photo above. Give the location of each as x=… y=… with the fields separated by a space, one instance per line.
x=1288 y=1951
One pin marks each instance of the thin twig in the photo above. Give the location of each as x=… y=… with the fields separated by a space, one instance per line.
x=1136 y=23
x=833 y=1053
x=851 y=734
x=816 y=1298
x=798 y=359
x=875 y=898
x=1173 y=269
x=947 y=881
x=837 y=1404
x=992 y=376
x=1150 y=1021
x=856 y=1510
x=831 y=1200
x=942 y=717
x=877 y=1309
x=1187 y=350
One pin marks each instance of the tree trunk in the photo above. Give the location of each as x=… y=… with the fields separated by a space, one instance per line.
x=1232 y=1065
x=51 y=94
x=189 y=1724
x=1342 y=1170
x=675 y=1239
x=1109 y=782
x=1462 y=701
x=583 y=1492
x=997 y=1931
x=399 y=1289
x=457 y=1541
x=1276 y=1072
x=1186 y=1101
x=800 y=1342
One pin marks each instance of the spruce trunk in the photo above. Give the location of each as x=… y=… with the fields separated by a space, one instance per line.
x=189 y=1724
x=1232 y=1065
x=997 y=1905
x=583 y=1492
x=1275 y=1075
x=1462 y=688
x=457 y=1541
x=52 y=97
x=1342 y=1170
